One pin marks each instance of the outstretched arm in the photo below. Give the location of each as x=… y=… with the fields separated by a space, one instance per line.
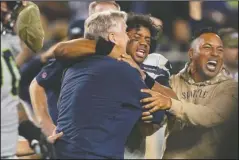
x=164 y=90
x=218 y=110
x=74 y=48
x=83 y=47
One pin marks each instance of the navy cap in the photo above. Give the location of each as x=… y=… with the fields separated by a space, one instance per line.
x=76 y=29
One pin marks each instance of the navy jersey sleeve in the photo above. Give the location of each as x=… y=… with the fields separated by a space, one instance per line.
x=51 y=74
x=163 y=80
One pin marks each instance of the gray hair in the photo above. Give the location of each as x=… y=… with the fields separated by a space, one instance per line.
x=101 y=24
x=93 y=5
x=196 y=44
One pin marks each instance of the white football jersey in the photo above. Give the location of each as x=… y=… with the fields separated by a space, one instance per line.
x=156 y=64
x=157 y=67
x=10 y=77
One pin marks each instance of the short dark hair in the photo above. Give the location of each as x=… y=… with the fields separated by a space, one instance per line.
x=201 y=31
x=135 y=21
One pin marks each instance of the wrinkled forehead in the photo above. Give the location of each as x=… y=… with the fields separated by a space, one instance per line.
x=210 y=38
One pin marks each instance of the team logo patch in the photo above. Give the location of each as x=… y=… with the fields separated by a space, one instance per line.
x=43 y=75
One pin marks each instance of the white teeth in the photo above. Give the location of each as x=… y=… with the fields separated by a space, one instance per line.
x=211 y=65
x=212 y=62
x=211 y=68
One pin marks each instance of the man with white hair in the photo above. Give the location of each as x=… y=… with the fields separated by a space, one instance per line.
x=141 y=31
x=139 y=25
x=45 y=87
x=99 y=101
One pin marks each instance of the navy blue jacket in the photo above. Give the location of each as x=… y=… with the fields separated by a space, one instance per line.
x=99 y=104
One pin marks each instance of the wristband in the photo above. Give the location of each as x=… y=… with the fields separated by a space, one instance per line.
x=149 y=81
x=28 y=130
x=103 y=47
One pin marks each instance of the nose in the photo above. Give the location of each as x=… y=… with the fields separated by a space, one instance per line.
x=143 y=42
x=214 y=52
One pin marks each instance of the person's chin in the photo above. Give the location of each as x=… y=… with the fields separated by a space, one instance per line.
x=138 y=59
x=211 y=74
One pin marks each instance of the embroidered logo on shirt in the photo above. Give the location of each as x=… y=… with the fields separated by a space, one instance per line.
x=44 y=74
x=194 y=94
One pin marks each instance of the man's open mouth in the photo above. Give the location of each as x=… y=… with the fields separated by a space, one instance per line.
x=212 y=65
x=141 y=53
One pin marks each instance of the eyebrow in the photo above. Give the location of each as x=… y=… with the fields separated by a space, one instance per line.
x=141 y=35
x=208 y=44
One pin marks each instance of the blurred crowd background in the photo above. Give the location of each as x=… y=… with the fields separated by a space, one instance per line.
x=179 y=19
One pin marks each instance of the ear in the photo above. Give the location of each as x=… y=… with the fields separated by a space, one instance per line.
x=190 y=54
x=112 y=38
